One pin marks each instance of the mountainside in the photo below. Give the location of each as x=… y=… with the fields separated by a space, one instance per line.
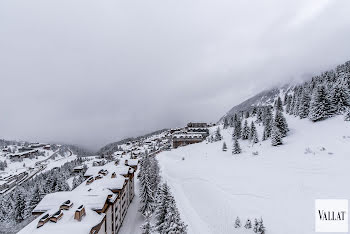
x=336 y=85
x=112 y=147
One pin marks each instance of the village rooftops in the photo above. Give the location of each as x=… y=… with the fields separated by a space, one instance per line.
x=110 y=167
x=67 y=223
x=188 y=135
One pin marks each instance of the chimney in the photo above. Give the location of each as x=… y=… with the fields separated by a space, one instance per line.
x=79 y=213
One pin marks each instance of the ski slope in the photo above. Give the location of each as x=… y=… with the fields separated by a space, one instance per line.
x=280 y=184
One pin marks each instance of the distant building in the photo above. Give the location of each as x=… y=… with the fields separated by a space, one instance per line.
x=186 y=139
x=197 y=125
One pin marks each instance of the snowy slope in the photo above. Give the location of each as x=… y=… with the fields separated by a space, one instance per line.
x=280 y=185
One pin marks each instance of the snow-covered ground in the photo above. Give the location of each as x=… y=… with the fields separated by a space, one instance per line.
x=280 y=184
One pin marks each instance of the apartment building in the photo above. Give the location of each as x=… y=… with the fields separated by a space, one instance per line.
x=97 y=206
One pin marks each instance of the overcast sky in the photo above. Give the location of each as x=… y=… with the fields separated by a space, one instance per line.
x=92 y=72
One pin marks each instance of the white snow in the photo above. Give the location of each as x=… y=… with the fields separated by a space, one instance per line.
x=280 y=184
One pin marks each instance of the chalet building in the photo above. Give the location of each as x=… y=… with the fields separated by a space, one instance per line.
x=186 y=139
x=16 y=156
x=203 y=131
x=97 y=206
x=197 y=125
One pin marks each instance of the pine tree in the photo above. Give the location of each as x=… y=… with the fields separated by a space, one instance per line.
x=259 y=116
x=218 y=136
x=36 y=198
x=237 y=223
x=281 y=123
x=256 y=226
x=237 y=127
x=340 y=99
x=289 y=101
x=319 y=105
x=146 y=228
x=226 y=123
x=146 y=194
x=248 y=224
x=347 y=115
x=245 y=131
x=253 y=134
x=304 y=105
x=276 y=138
x=278 y=104
x=261 y=227
x=224 y=147
x=173 y=223
x=267 y=123
x=20 y=206
x=161 y=207
x=236 y=147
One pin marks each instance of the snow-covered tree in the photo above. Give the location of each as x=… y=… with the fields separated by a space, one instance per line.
x=20 y=206
x=236 y=147
x=224 y=147
x=278 y=104
x=340 y=99
x=276 y=138
x=256 y=226
x=146 y=194
x=319 y=105
x=173 y=223
x=226 y=123
x=261 y=228
x=253 y=133
x=218 y=136
x=304 y=105
x=248 y=224
x=281 y=123
x=146 y=227
x=245 y=131
x=161 y=207
x=237 y=223
x=347 y=115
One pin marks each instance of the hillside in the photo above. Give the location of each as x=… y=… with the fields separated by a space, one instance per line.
x=279 y=184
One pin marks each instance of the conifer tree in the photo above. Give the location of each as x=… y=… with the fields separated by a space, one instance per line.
x=347 y=115
x=261 y=227
x=237 y=223
x=276 y=138
x=289 y=102
x=173 y=223
x=146 y=194
x=218 y=136
x=319 y=105
x=259 y=116
x=224 y=147
x=278 y=104
x=248 y=224
x=161 y=207
x=146 y=228
x=340 y=99
x=226 y=123
x=256 y=226
x=304 y=105
x=237 y=127
x=20 y=206
x=253 y=134
x=281 y=123
x=236 y=147
x=245 y=131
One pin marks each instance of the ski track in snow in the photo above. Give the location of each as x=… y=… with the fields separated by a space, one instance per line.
x=280 y=184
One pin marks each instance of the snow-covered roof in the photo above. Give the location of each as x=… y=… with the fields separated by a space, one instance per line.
x=67 y=224
x=110 y=167
x=188 y=135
